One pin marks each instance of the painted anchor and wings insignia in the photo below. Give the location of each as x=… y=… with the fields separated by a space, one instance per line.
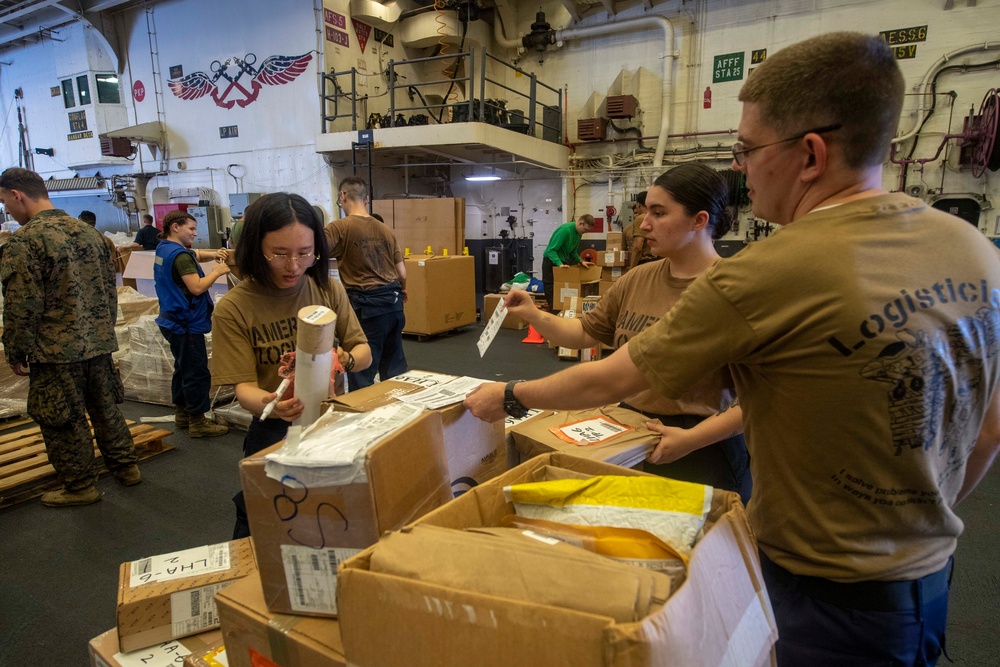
x=236 y=82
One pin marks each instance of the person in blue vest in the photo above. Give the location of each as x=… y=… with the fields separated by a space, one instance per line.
x=185 y=317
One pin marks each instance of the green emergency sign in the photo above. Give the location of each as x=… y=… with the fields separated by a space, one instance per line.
x=728 y=67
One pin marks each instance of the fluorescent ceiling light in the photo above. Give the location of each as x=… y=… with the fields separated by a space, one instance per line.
x=484 y=177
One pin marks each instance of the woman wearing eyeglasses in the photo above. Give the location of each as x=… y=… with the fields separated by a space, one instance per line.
x=283 y=257
x=185 y=317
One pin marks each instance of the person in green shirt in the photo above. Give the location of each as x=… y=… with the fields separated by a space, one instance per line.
x=564 y=250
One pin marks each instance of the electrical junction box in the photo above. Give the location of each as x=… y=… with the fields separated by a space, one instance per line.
x=591 y=129
x=622 y=106
x=239 y=201
x=116 y=147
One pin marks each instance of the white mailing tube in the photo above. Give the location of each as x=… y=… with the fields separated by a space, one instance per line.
x=313 y=359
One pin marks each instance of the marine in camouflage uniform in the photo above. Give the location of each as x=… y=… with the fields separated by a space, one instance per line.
x=60 y=307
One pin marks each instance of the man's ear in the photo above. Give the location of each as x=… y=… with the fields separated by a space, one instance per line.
x=817 y=157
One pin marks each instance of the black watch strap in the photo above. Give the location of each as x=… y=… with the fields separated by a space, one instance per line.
x=511 y=405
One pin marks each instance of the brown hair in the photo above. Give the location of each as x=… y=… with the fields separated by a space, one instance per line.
x=174 y=218
x=355 y=188
x=24 y=180
x=588 y=219
x=700 y=188
x=844 y=78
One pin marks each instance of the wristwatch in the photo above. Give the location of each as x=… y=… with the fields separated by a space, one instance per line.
x=511 y=405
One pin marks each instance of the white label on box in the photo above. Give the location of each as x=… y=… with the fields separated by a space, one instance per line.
x=423 y=378
x=194 y=611
x=315 y=315
x=162 y=655
x=446 y=394
x=492 y=327
x=616 y=273
x=609 y=258
x=751 y=636
x=514 y=421
x=180 y=564
x=592 y=431
x=311 y=575
x=568 y=292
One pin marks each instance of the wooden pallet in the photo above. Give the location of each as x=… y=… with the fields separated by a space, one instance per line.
x=25 y=471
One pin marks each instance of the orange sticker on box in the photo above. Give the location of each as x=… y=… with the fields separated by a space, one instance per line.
x=591 y=431
x=258 y=660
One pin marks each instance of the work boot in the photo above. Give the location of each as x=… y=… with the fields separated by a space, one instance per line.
x=181 y=417
x=67 y=498
x=201 y=427
x=128 y=476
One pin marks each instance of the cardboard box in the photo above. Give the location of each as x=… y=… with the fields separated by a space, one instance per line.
x=514 y=456
x=213 y=655
x=575 y=274
x=611 y=273
x=104 y=648
x=628 y=449
x=612 y=258
x=719 y=616
x=579 y=305
x=442 y=293
x=155 y=606
x=302 y=533
x=563 y=291
x=576 y=307
x=418 y=223
x=490 y=303
x=255 y=637
x=138 y=275
x=614 y=240
x=475 y=449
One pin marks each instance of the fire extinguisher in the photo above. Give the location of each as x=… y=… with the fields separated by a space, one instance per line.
x=708 y=97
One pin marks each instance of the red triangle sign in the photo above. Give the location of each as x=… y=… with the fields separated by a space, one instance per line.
x=362 y=30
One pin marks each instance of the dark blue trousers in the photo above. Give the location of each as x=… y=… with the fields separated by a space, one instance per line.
x=380 y=312
x=869 y=624
x=192 y=381
x=260 y=436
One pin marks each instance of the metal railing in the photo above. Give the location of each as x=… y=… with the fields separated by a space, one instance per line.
x=477 y=108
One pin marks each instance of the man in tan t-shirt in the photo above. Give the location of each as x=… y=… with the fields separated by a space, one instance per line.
x=862 y=341
x=372 y=270
x=634 y=238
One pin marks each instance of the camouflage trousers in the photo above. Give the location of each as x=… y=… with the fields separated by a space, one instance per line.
x=60 y=396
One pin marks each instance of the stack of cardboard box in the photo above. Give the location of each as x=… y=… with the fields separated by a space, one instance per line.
x=570 y=281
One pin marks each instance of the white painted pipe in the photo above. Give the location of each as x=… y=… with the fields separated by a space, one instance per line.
x=925 y=83
x=668 y=63
x=313 y=359
x=501 y=38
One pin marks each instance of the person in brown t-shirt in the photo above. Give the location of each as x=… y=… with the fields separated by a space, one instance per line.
x=634 y=238
x=687 y=209
x=372 y=270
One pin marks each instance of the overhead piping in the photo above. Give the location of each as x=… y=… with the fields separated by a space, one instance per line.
x=668 y=62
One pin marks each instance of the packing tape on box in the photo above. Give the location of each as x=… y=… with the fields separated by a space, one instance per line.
x=277 y=628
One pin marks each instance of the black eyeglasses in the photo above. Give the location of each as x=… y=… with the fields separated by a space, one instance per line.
x=740 y=151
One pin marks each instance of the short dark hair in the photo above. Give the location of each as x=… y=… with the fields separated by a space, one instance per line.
x=844 y=78
x=641 y=198
x=24 y=180
x=88 y=217
x=271 y=213
x=354 y=187
x=147 y=218
x=378 y=217
x=700 y=188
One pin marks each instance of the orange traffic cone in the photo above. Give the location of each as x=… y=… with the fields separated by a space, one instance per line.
x=533 y=336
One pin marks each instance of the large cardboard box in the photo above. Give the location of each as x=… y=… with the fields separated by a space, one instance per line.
x=302 y=533
x=577 y=273
x=609 y=258
x=533 y=438
x=610 y=274
x=614 y=241
x=442 y=293
x=157 y=602
x=418 y=223
x=720 y=615
x=475 y=449
x=514 y=456
x=256 y=637
x=104 y=650
x=563 y=291
x=512 y=321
